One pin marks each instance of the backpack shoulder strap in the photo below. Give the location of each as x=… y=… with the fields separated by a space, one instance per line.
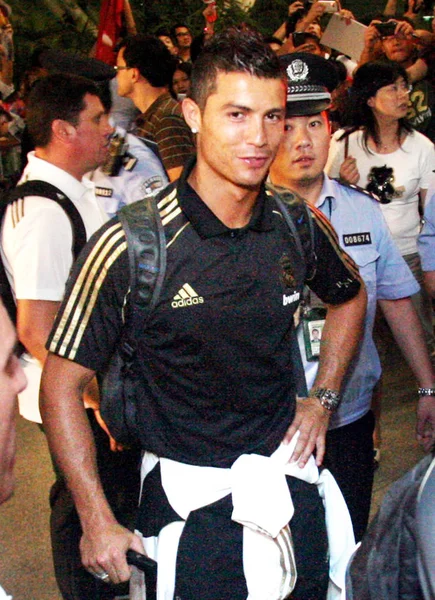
x=300 y=222
x=147 y=262
x=47 y=190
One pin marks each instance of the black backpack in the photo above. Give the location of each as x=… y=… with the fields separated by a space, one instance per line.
x=146 y=245
x=46 y=190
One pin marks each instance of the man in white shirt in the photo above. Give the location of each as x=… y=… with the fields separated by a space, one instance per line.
x=71 y=132
x=70 y=128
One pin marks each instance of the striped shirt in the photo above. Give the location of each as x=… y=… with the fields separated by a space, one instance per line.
x=163 y=123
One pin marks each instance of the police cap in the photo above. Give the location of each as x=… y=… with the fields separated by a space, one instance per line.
x=57 y=61
x=310 y=81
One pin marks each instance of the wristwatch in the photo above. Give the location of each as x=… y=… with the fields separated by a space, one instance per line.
x=426 y=391
x=329 y=399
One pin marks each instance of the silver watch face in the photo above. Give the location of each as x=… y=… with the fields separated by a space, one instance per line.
x=329 y=399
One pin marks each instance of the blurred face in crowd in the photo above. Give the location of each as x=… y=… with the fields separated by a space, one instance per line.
x=123 y=76
x=303 y=152
x=169 y=44
x=315 y=28
x=391 y=101
x=12 y=381
x=184 y=37
x=239 y=128
x=398 y=48
x=180 y=82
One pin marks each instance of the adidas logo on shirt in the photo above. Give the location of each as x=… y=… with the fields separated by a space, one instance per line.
x=186 y=297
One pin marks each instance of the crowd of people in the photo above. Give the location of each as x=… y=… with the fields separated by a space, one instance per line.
x=294 y=193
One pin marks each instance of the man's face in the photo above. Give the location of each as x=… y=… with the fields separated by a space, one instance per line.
x=12 y=381
x=303 y=152
x=184 y=38
x=169 y=44
x=398 y=48
x=93 y=131
x=240 y=128
x=123 y=76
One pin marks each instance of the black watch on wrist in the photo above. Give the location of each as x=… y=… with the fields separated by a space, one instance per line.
x=329 y=399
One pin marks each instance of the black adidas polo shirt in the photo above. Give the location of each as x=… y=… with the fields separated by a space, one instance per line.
x=218 y=375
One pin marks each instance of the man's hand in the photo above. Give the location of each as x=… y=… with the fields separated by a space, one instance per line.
x=311 y=420
x=114 y=445
x=371 y=35
x=104 y=552
x=349 y=171
x=426 y=422
x=403 y=29
x=295 y=6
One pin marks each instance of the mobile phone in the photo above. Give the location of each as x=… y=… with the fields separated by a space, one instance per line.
x=298 y=38
x=386 y=29
x=331 y=5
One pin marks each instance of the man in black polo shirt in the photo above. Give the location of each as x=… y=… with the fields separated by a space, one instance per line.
x=217 y=353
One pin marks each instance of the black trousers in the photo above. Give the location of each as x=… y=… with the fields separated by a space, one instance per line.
x=349 y=457
x=119 y=472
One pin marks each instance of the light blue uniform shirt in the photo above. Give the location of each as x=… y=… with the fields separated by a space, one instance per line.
x=146 y=178
x=364 y=235
x=426 y=240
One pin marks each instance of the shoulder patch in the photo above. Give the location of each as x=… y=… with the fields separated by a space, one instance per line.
x=357 y=188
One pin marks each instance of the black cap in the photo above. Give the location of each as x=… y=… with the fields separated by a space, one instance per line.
x=310 y=81
x=57 y=61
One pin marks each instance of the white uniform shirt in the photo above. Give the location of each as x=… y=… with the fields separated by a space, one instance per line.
x=36 y=246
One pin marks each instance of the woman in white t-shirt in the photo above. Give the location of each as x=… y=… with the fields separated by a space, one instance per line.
x=382 y=153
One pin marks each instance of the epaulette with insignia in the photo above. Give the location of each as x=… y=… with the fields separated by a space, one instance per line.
x=359 y=189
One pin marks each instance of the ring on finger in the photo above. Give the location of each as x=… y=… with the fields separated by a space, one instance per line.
x=102 y=576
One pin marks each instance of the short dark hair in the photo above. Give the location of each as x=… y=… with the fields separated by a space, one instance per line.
x=59 y=96
x=150 y=55
x=232 y=51
x=177 y=26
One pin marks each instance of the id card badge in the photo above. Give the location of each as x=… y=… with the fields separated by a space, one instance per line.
x=313 y=321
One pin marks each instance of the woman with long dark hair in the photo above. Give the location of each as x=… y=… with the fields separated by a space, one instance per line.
x=383 y=154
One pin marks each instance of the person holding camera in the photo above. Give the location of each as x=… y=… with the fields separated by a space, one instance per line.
x=395 y=40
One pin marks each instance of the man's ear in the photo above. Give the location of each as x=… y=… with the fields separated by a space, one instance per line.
x=192 y=114
x=63 y=131
x=135 y=74
x=371 y=102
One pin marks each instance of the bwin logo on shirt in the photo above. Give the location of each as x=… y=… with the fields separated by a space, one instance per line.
x=290 y=299
x=186 y=297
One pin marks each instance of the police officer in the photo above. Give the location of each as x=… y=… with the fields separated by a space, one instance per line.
x=363 y=233
x=132 y=172
x=426 y=241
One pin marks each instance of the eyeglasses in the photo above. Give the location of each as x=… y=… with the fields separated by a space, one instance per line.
x=397 y=88
x=120 y=67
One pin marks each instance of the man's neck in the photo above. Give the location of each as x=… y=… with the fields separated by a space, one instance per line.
x=144 y=96
x=309 y=190
x=231 y=203
x=60 y=161
x=184 y=54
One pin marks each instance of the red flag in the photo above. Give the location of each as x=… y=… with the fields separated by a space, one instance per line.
x=109 y=30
